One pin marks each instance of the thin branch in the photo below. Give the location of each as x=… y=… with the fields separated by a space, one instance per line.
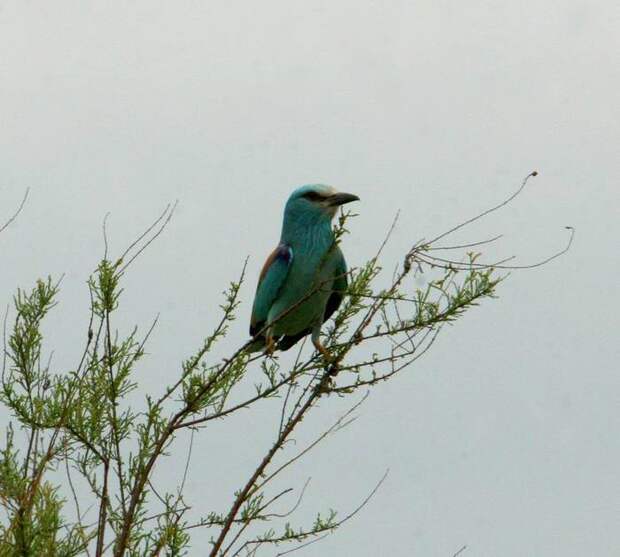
x=329 y=528
x=499 y=265
x=105 y=235
x=306 y=544
x=103 y=506
x=114 y=417
x=77 y=506
x=16 y=213
x=471 y=245
x=388 y=235
x=187 y=461
x=291 y=385
x=295 y=506
x=339 y=424
x=170 y=212
x=245 y=404
x=4 y=351
x=146 y=232
x=246 y=523
x=487 y=212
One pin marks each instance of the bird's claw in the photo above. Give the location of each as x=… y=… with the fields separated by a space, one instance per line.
x=270 y=346
x=322 y=350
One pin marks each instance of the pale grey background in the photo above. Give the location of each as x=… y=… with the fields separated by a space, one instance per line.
x=505 y=437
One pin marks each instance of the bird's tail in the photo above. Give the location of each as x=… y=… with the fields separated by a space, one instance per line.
x=282 y=343
x=287 y=341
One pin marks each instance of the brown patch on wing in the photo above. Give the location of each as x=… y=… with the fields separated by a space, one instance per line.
x=281 y=251
x=272 y=257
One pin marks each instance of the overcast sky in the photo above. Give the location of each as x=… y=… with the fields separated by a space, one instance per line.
x=504 y=437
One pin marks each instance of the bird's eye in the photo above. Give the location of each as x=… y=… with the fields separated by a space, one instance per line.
x=312 y=196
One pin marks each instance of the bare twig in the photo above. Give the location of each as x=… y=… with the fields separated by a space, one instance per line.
x=460 y=551
x=16 y=213
x=328 y=528
x=487 y=211
x=436 y=261
x=166 y=216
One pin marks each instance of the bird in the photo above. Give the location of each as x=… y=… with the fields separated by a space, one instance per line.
x=304 y=279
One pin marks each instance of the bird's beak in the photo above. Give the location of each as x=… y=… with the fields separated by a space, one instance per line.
x=341 y=198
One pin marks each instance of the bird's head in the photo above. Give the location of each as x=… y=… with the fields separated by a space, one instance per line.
x=316 y=202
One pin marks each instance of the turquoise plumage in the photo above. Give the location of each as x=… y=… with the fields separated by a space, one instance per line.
x=304 y=278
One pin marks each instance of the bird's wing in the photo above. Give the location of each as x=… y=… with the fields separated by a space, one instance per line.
x=270 y=282
x=338 y=289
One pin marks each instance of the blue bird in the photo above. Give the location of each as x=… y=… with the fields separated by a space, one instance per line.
x=303 y=280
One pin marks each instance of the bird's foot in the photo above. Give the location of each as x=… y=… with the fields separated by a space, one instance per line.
x=324 y=352
x=270 y=346
x=330 y=366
